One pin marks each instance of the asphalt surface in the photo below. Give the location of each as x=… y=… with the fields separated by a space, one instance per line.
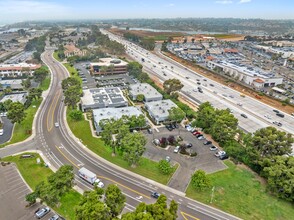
x=7 y=128
x=164 y=68
x=59 y=146
x=12 y=198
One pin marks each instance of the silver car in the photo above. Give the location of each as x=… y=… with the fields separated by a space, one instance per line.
x=42 y=212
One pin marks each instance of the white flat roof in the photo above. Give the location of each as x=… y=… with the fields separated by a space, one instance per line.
x=108 y=62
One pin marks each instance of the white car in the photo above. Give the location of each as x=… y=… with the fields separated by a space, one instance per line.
x=177 y=149
x=201 y=138
x=56 y=124
x=213 y=148
x=240 y=104
x=220 y=153
x=99 y=183
x=268 y=117
x=1 y=132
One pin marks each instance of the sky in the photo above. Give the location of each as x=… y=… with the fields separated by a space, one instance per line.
x=23 y=10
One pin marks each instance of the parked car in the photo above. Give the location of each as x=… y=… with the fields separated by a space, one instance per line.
x=207 y=142
x=196 y=132
x=223 y=157
x=213 y=148
x=201 y=138
x=155 y=195
x=177 y=149
x=220 y=153
x=55 y=217
x=198 y=135
x=189 y=145
x=42 y=212
x=169 y=127
x=243 y=115
x=149 y=131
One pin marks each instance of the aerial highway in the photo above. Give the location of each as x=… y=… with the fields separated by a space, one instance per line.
x=258 y=114
x=59 y=146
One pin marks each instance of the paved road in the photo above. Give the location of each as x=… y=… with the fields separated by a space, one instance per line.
x=60 y=147
x=7 y=127
x=165 y=68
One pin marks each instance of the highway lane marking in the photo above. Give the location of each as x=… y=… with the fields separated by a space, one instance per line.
x=67 y=158
x=204 y=211
x=184 y=214
x=106 y=178
x=55 y=100
x=102 y=177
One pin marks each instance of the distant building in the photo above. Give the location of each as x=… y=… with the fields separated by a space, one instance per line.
x=17 y=70
x=103 y=98
x=14 y=84
x=108 y=66
x=71 y=50
x=115 y=113
x=150 y=94
x=158 y=110
x=17 y=97
x=247 y=74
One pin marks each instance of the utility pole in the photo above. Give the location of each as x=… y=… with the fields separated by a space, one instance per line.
x=212 y=194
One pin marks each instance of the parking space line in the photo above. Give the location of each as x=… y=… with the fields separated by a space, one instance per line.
x=13 y=186
x=22 y=191
x=18 y=187
x=17 y=179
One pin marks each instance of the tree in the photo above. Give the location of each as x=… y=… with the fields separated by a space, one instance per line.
x=40 y=74
x=6 y=104
x=279 y=172
x=176 y=114
x=200 y=181
x=140 y=97
x=224 y=127
x=47 y=193
x=205 y=116
x=133 y=147
x=35 y=93
x=26 y=83
x=31 y=198
x=62 y=180
x=134 y=69
x=271 y=142
x=91 y=207
x=72 y=96
x=76 y=115
x=158 y=210
x=172 y=85
x=164 y=167
x=69 y=82
x=16 y=112
x=114 y=199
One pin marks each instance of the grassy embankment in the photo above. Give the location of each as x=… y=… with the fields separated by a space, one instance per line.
x=34 y=173
x=239 y=192
x=22 y=130
x=147 y=168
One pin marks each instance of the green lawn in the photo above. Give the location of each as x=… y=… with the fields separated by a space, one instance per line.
x=46 y=83
x=55 y=55
x=34 y=173
x=71 y=69
x=240 y=193
x=22 y=130
x=146 y=168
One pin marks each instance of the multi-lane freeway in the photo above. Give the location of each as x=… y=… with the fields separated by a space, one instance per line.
x=258 y=114
x=59 y=146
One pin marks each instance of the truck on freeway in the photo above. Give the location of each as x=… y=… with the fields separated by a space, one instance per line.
x=90 y=177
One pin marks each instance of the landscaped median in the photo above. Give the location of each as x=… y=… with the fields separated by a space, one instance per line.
x=23 y=130
x=147 y=168
x=34 y=173
x=241 y=192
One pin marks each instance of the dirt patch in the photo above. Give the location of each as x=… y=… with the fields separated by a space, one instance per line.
x=144 y=33
x=246 y=91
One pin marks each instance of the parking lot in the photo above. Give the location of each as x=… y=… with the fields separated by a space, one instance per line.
x=7 y=128
x=205 y=159
x=88 y=80
x=13 y=192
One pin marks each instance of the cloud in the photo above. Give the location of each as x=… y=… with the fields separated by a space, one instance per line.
x=244 y=1
x=224 y=2
x=170 y=5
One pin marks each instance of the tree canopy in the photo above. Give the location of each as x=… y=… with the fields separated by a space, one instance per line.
x=176 y=114
x=172 y=85
x=200 y=180
x=16 y=112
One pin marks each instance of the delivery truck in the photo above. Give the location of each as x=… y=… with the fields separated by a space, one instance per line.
x=90 y=177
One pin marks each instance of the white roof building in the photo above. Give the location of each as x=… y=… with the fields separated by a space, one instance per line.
x=150 y=93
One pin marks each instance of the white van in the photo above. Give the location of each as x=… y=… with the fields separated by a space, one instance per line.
x=1 y=132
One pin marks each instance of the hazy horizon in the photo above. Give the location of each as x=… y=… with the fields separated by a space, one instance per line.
x=38 y=10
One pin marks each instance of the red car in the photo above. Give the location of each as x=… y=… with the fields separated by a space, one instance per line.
x=196 y=132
